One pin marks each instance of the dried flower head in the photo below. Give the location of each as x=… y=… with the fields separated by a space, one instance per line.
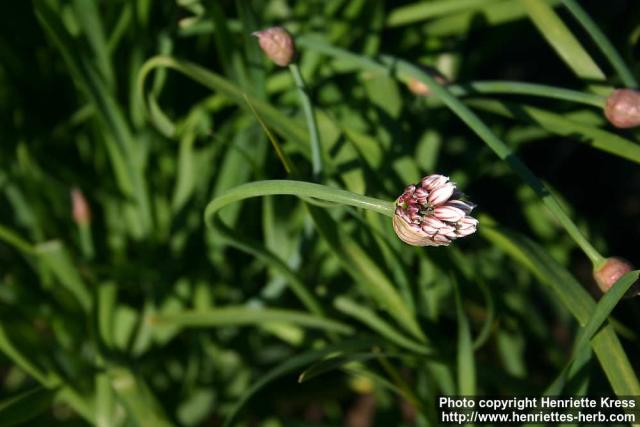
x=433 y=213
x=80 y=208
x=611 y=271
x=623 y=108
x=277 y=44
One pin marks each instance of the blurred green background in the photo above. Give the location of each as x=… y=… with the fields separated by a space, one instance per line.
x=285 y=314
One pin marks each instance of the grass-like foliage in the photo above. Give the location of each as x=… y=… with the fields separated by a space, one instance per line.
x=192 y=235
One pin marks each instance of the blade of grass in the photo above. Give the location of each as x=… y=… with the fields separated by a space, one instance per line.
x=560 y=125
x=25 y=406
x=86 y=13
x=493 y=14
x=258 y=250
x=236 y=316
x=299 y=189
x=49 y=379
x=138 y=399
x=379 y=325
x=564 y=42
x=12 y=238
x=604 y=307
x=603 y=43
x=289 y=129
x=420 y=11
x=56 y=258
x=371 y=279
x=529 y=89
x=332 y=363
x=465 y=354
x=314 y=138
x=294 y=363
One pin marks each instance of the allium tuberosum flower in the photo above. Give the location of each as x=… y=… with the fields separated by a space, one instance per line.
x=277 y=44
x=623 y=108
x=433 y=213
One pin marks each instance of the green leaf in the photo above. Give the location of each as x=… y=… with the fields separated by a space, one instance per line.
x=238 y=316
x=465 y=355
x=294 y=363
x=56 y=258
x=287 y=128
x=332 y=363
x=25 y=406
x=420 y=11
x=379 y=325
x=258 y=250
x=563 y=41
x=560 y=125
x=605 y=306
x=138 y=399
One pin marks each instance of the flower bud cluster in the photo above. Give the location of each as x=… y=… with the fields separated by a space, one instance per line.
x=433 y=213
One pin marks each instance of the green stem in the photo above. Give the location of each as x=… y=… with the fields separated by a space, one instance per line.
x=603 y=43
x=403 y=70
x=316 y=150
x=86 y=240
x=15 y=240
x=531 y=89
x=296 y=188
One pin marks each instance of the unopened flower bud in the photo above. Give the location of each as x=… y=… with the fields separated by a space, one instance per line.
x=80 y=208
x=623 y=108
x=277 y=44
x=418 y=88
x=611 y=271
x=431 y=213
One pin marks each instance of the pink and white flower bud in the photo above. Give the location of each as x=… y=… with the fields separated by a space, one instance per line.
x=441 y=194
x=463 y=232
x=436 y=219
x=466 y=207
x=277 y=44
x=623 y=108
x=612 y=270
x=432 y=182
x=467 y=222
x=80 y=208
x=448 y=213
